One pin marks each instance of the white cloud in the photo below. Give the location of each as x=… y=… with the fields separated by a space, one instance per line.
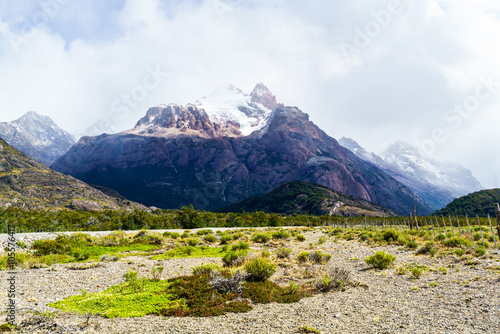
x=427 y=59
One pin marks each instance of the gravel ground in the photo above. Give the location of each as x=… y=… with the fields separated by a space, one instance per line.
x=465 y=300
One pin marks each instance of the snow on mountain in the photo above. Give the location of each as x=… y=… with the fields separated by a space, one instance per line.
x=436 y=182
x=228 y=104
x=104 y=125
x=451 y=176
x=37 y=136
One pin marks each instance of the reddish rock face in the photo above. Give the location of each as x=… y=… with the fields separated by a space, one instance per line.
x=261 y=94
x=211 y=173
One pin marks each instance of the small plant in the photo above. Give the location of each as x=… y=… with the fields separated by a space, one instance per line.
x=281 y=234
x=205 y=269
x=193 y=242
x=83 y=292
x=319 y=257
x=480 y=252
x=157 y=271
x=416 y=273
x=210 y=238
x=283 y=253
x=336 y=279
x=411 y=244
x=308 y=330
x=260 y=269
x=443 y=270
x=300 y=238
x=433 y=284
x=457 y=242
x=227 y=284
x=235 y=258
x=402 y=269
x=225 y=239
x=459 y=252
x=130 y=276
x=240 y=246
x=321 y=240
x=174 y=235
x=293 y=287
x=380 y=260
x=261 y=238
x=440 y=237
x=265 y=253
x=303 y=257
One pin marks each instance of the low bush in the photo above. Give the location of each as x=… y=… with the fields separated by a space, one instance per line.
x=281 y=234
x=259 y=269
x=300 y=238
x=380 y=260
x=457 y=242
x=303 y=257
x=205 y=269
x=231 y=283
x=235 y=258
x=480 y=252
x=337 y=279
x=239 y=246
x=210 y=238
x=283 y=253
x=319 y=257
x=225 y=239
x=261 y=238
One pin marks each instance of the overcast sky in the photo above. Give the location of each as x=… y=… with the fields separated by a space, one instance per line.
x=423 y=71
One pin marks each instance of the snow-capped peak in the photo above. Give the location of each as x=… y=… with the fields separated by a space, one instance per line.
x=229 y=104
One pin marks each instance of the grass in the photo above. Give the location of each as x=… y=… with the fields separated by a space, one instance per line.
x=191 y=252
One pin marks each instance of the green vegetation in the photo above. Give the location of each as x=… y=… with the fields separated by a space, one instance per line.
x=259 y=269
x=481 y=203
x=380 y=260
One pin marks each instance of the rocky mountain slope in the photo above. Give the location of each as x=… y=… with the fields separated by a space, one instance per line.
x=437 y=183
x=303 y=198
x=209 y=171
x=37 y=136
x=480 y=202
x=26 y=183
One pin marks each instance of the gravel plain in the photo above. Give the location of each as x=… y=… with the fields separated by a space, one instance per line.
x=465 y=299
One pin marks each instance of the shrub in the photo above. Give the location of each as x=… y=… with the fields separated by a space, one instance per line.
x=402 y=269
x=261 y=238
x=210 y=238
x=480 y=244
x=480 y=252
x=283 y=253
x=260 y=269
x=240 y=246
x=380 y=260
x=390 y=235
x=440 y=237
x=237 y=236
x=205 y=269
x=411 y=244
x=303 y=257
x=476 y=236
x=174 y=235
x=308 y=330
x=319 y=257
x=459 y=252
x=428 y=248
x=227 y=284
x=336 y=279
x=193 y=241
x=203 y=232
x=415 y=272
x=156 y=271
x=300 y=238
x=265 y=253
x=225 y=239
x=457 y=242
x=293 y=287
x=235 y=258
x=281 y=234
x=130 y=276
x=443 y=270
x=321 y=240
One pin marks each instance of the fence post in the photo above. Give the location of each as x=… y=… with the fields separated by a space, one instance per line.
x=468 y=226
x=492 y=232
x=480 y=228
x=410 y=221
x=449 y=217
x=497 y=210
x=439 y=227
x=459 y=226
x=444 y=224
x=365 y=222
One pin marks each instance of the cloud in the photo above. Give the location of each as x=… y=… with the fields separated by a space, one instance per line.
x=93 y=59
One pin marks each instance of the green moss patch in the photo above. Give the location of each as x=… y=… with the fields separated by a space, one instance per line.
x=130 y=299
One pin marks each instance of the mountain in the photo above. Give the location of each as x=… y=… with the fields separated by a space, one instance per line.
x=303 y=198
x=480 y=202
x=28 y=184
x=437 y=183
x=37 y=136
x=181 y=155
x=104 y=125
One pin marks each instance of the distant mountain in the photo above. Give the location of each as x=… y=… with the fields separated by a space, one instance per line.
x=303 y=198
x=437 y=183
x=104 y=125
x=26 y=183
x=480 y=202
x=37 y=136
x=181 y=155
